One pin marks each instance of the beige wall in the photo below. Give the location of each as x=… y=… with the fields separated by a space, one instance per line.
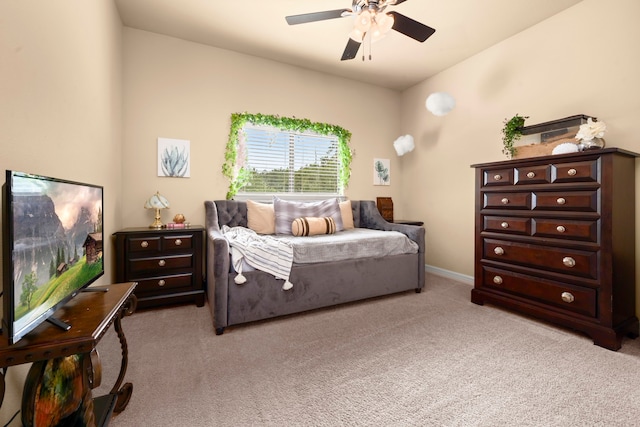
x=584 y=60
x=183 y=90
x=60 y=107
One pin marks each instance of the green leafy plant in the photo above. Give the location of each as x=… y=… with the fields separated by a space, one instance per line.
x=238 y=174
x=511 y=132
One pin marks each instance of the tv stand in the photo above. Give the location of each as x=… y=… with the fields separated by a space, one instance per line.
x=91 y=313
x=59 y=323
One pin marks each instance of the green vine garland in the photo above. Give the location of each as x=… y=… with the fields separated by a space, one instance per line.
x=511 y=132
x=238 y=178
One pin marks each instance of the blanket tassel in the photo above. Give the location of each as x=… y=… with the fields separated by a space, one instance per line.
x=240 y=279
x=287 y=285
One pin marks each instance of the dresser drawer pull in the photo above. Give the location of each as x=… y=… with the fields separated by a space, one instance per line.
x=161 y=282
x=572 y=172
x=497 y=177
x=497 y=280
x=161 y=263
x=567 y=297
x=498 y=250
x=561 y=229
x=504 y=225
x=531 y=175
x=561 y=200
x=144 y=244
x=178 y=242
x=505 y=201
x=568 y=261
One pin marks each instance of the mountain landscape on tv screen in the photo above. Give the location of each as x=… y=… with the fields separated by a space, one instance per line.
x=45 y=250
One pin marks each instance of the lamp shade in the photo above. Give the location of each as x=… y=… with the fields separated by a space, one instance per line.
x=440 y=103
x=157 y=202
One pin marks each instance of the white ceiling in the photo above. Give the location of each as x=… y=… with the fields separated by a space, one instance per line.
x=258 y=28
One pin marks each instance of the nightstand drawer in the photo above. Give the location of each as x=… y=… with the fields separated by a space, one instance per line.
x=177 y=243
x=157 y=284
x=144 y=244
x=567 y=297
x=160 y=263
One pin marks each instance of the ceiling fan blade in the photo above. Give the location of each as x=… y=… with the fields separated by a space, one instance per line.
x=316 y=16
x=397 y=2
x=411 y=28
x=351 y=50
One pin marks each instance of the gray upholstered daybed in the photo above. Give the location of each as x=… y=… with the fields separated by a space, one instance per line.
x=315 y=285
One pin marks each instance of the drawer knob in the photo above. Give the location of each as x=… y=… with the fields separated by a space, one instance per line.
x=504 y=225
x=161 y=282
x=572 y=172
x=144 y=244
x=567 y=297
x=561 y=200
x=497 y=177
x=561 y=229
x=498 y=250
x=497 y=280
x=568 y=261
x=531 y=175
x=161 y=263
x=505 y=201
x=178 y=242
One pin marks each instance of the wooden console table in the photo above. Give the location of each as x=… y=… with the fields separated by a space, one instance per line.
x=90 y=315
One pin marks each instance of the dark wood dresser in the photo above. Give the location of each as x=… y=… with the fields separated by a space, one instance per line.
x=555 y=239
x=166 y=263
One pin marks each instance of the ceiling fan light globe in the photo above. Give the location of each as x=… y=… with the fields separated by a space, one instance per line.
x=363 y=21
x=356 y=35
x=385 y=22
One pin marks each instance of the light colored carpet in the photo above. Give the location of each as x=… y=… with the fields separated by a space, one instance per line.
x=429 y=359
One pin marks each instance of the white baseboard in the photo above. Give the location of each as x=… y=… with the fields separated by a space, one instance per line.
x=449 y=274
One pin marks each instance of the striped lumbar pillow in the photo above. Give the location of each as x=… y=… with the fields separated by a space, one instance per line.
x=310 y=226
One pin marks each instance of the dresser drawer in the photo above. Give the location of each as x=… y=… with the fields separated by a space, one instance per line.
x=538 y=174
x=567 y=261
x=505 y=224
x=144 y=244
x=586 y=171
x=159 y=264
x=582 y=201
x=573 y=298
x=497 y=177
x=519 y=200
x=566 y=229
x=162 y=283
x=177 y=243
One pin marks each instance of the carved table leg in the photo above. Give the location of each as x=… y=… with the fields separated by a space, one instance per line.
x=124 y=392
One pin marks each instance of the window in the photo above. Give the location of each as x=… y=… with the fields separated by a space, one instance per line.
x=269 y=155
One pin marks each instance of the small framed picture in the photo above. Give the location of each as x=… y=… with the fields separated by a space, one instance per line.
x=174 y=157
x=381 y=172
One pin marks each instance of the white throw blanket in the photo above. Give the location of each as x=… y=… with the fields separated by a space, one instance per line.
x=261 y=252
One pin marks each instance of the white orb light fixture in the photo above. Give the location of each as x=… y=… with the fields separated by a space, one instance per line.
x=440 y=103
x=404 y=144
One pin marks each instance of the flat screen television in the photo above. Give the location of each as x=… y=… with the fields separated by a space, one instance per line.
x=52 y=247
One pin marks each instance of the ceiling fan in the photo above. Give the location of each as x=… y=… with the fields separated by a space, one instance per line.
x=370 y=19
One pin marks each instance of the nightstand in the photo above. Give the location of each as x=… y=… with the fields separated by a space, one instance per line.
x=166 y=263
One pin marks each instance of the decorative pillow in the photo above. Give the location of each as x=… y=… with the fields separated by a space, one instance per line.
x=310 y=226
x=261 y=217
x=347 y=214
x=286 y=211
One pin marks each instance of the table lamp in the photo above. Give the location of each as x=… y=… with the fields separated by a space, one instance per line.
x=156 y=202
